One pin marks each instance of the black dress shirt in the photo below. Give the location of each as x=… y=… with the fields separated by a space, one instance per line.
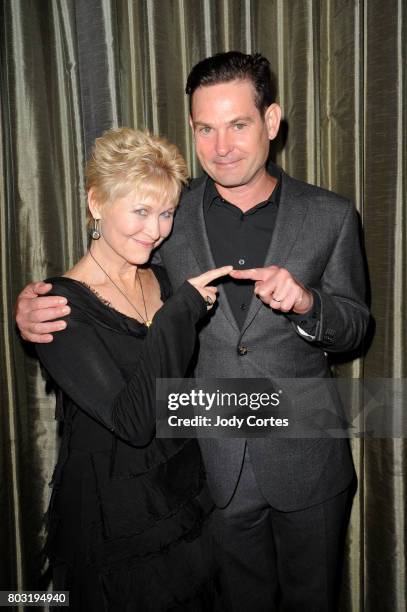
x=242 y=239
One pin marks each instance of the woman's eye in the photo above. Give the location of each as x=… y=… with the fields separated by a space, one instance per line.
x=167 y=214
x=141 y=211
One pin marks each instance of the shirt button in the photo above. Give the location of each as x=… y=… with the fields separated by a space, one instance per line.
x=241 y=262
x=241 y=350
x=243 y=306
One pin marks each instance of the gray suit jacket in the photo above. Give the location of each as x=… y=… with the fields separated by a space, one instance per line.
x=316 y=239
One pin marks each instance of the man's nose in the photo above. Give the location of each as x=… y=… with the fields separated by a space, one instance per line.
x=223 y=144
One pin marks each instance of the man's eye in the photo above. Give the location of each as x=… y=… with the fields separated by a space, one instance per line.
x=205 y=130
x=239 y=126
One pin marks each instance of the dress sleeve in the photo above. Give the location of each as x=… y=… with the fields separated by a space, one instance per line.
x=80 y=363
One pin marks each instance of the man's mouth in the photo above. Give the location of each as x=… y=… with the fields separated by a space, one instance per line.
x=226 y=164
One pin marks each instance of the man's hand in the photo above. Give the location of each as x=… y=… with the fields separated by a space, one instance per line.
x=277 y=288
x=31 y=311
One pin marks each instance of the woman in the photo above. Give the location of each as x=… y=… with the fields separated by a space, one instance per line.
x=127 y=509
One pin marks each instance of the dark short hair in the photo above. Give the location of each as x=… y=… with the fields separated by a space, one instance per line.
x=232 y=65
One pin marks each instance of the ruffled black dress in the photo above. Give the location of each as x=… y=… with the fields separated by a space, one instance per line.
x=126 y=526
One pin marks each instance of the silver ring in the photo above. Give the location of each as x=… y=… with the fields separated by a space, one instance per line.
x=208 y=301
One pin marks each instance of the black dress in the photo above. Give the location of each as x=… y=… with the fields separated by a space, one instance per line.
x=127 y=515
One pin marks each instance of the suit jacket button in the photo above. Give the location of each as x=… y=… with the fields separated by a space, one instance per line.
x=241 y=350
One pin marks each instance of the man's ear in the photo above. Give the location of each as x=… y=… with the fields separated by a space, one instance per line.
x=191 y=123
x=272 y=117
x=94 y=205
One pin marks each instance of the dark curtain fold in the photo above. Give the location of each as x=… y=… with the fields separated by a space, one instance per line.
x=96 y=39
x=69 y=70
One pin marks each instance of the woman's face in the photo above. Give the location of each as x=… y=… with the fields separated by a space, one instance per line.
x=135 y=224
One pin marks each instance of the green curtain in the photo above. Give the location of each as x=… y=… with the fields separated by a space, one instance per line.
x=41 y=234
x=341 y=73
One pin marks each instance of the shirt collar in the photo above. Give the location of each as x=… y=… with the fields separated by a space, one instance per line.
x=212 y=194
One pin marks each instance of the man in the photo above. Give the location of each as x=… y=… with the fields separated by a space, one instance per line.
x=282 y=505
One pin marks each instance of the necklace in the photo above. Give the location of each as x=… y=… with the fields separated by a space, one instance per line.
x=147 y=322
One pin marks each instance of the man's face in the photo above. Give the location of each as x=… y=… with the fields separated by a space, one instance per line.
x=231 y=137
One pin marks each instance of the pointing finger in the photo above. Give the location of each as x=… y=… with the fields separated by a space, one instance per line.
x=211 y=275
x=255 y=274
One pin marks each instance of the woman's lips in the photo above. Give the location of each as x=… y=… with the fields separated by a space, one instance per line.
x=146 y=245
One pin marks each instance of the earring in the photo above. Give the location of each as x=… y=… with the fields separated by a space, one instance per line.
x=95 y=233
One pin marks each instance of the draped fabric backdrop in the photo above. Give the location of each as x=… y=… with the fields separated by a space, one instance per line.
x=69 y=70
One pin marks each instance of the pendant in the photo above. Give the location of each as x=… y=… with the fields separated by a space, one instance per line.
x=149 y=323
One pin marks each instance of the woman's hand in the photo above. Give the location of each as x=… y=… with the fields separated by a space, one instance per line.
x=202 y=284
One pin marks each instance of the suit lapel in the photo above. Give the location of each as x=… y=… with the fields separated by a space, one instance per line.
x=195 y=229
x=193 y=225
x=290 y=218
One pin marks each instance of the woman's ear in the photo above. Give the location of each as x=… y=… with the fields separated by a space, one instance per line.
x=94 y=205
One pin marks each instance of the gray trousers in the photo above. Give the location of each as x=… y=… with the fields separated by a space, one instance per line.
x=279 y=561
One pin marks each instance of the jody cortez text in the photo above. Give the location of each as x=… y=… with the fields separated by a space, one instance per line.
x=198 y=397
x=233 y=421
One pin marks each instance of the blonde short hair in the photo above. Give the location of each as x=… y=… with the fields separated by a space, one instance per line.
x=124 y=160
